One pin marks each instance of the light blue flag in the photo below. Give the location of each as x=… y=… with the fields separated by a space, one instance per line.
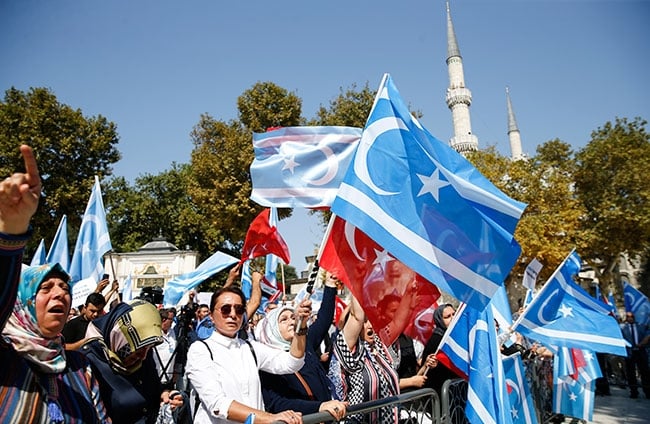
x=564 y=314
x=427 y=205
x=470 y=348
x=301 y=166
x=637 y=303
x=487 y=396
x=246 y=279
x=127 y=290
x=522 y=408
x=93 y=240
x=175 y=289
x=39 y=255
x=59 y=252
x=574 y=377
x=270 y=283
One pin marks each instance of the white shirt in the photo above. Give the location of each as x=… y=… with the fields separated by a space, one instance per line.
x=163 y=355
x=232 y=375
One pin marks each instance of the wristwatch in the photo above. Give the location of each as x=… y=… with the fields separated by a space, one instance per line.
x=302 y=331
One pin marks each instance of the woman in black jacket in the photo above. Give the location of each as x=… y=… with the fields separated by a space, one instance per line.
x=307 y=390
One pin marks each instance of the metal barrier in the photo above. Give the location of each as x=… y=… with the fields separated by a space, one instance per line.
x=420 y=406
x=454 y=399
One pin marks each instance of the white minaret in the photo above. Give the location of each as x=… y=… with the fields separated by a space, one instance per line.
x=458 y=96
x=513 y=131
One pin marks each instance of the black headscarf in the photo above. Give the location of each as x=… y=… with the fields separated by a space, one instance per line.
x=438 y=320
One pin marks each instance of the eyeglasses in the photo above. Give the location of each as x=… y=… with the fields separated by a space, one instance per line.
x=239 y=309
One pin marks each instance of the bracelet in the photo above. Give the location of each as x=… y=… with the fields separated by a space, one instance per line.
x=302 y=331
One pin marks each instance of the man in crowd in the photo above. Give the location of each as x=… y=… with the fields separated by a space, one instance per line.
x=637 y=356
x=165 y=353
x=74 y=331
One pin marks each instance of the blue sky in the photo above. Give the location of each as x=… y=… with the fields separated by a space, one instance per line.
x=153 y=67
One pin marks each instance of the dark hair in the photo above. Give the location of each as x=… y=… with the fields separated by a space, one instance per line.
x=96 y=299
x=164 y=313
x=219 y=292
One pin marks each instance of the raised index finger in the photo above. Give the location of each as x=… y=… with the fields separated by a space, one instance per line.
x=31 y=167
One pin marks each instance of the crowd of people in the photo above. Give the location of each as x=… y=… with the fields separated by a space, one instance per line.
x=215 y=363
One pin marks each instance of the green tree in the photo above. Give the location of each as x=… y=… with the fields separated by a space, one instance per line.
x=157 y=205
x=266 y=105
x=349 y=109
x=70 y=148
x=611 y=182
x=220 y=183
x=548 y=227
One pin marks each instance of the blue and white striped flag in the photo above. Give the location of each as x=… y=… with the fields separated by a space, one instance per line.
x=59 y=252
x=39 y=255
x=574 y=378
x=93 y=240
x=301 y=166
x=564 y=314
x=406 y=191
x=522 y=408
x=180 y=285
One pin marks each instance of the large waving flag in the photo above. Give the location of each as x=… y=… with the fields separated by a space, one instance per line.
x=380 y=282
x=422 y=201
x=574 y=378
x=263 y=239
x=175 y=289
x=59 y=252
x=637 y=303
x=522 y=407
x=93 y=240
x=39 y=255
x=564 y=314
x=301 y=166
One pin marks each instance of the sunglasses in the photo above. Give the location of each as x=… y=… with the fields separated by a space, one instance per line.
x=239 y=309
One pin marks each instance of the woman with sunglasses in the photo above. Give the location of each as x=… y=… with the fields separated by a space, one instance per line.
x=223 y=369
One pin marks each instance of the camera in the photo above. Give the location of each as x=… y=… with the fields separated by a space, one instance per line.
x=152 y=295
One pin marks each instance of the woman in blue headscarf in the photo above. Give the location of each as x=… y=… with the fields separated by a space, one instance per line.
x=41 y=382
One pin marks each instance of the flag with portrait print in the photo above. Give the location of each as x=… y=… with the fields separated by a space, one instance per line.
x=406 y=190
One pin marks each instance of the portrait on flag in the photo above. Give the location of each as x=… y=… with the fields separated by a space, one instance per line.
x=427 y=205
x=387 y=289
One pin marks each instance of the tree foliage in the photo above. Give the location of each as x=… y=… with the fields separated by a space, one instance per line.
x=611 y=182
x=70 y=149
x=266 y=105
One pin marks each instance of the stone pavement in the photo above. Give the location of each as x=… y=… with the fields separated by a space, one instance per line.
x=618 y=408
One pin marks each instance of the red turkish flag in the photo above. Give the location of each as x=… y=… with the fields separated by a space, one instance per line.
x=339 y=307
x=262 y=239
x=384 y=286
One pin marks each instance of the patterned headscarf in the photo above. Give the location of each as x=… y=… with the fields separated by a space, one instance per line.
x=125 y=329
x=270 y=333
x=22 y=331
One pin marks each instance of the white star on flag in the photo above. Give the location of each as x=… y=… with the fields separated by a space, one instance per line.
x=566 y=311
x=290 y=163
x=382 y=258
x=432 y=184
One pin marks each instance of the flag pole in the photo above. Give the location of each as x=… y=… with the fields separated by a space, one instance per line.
x=537 y=296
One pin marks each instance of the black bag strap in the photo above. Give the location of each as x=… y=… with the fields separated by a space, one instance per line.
x=197 y=401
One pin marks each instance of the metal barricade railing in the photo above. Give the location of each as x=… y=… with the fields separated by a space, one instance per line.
x=453 y=400
x=420 y=406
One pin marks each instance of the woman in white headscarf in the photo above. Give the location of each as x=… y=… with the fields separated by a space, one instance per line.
x=306 y=390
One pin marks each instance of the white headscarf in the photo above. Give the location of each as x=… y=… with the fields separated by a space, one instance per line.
x=270 y=333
